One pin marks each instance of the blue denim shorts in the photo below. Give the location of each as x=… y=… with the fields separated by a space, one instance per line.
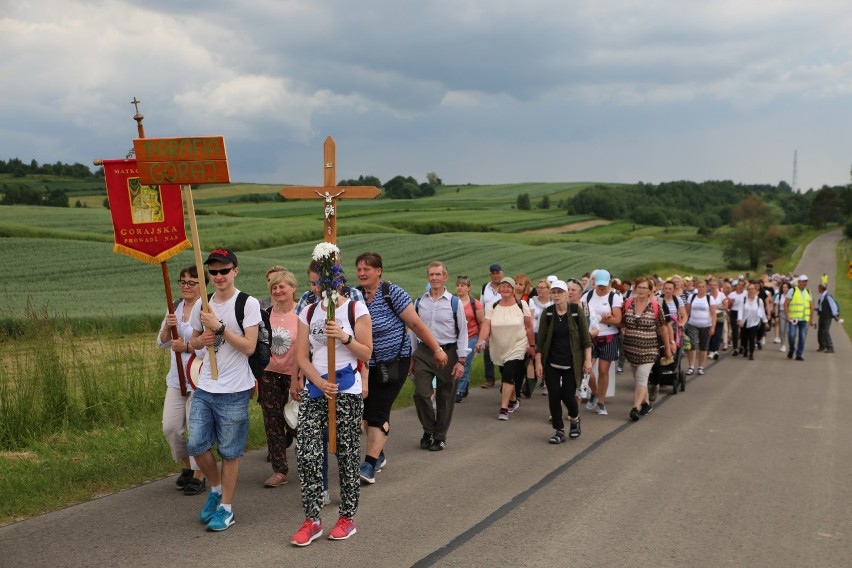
x=219 y=417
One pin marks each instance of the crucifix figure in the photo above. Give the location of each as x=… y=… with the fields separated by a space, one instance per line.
x=330 y=193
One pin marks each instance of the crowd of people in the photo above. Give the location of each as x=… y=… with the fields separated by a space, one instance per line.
x=560 y=335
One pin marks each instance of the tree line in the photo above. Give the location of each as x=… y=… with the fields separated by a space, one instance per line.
x=400 y=187
x=706 y=204
x=19 y=169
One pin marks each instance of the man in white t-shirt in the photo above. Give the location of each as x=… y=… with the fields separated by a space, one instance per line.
x=219 y=410
x=604 y=306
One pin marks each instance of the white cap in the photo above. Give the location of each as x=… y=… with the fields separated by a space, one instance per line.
x=552 y=278
x=559 y=285
x=802 y=278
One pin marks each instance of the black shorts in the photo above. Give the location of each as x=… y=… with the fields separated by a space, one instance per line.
x=381 y=395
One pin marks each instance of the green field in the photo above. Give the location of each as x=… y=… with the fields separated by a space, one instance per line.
x=62 y=259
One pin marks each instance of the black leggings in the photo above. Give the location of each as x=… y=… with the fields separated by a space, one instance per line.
x=561 y=389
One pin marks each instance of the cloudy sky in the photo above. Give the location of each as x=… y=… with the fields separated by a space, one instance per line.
x=478 y=91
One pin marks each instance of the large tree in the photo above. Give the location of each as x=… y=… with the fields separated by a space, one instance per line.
x=754 y=236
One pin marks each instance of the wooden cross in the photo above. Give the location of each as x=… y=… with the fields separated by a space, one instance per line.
x=330 y=193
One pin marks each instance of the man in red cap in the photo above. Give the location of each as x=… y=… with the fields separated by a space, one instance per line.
x=219 y=411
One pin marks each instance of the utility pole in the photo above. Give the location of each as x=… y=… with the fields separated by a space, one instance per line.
x=795 y=183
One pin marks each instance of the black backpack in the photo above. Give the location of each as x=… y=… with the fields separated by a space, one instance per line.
x=263 y=348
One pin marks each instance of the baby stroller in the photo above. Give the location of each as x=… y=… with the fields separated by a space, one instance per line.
x=670 y=374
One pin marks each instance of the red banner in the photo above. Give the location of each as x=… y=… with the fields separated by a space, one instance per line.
x=147 y=219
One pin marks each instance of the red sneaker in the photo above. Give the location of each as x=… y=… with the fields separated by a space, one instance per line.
x=344 y=528
x=307 y=533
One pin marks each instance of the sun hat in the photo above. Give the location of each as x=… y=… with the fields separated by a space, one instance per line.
x=193 y=368
x=291 y=413
x=508 y=280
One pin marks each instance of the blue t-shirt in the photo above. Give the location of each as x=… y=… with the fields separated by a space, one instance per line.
x=388 y=329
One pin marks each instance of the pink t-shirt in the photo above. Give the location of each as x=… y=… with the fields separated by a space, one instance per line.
x=283 y=344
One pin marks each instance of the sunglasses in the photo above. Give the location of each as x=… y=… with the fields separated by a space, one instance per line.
x=222 y=271
x=575 y=281
x=187 y=283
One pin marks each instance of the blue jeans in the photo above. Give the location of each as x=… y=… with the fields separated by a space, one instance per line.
x=464 y=381
x=219 y=417
x=802 y=328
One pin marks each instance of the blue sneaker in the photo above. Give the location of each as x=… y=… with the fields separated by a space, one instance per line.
x=221 y=520
x=210 y=507
x=368 y=474
x=380 y=463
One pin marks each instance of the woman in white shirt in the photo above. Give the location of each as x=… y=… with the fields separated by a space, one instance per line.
x=176 y=406
x=700 y=326
x=537 y=305
x=781 y=315
x=751 y=316
x=350 y=346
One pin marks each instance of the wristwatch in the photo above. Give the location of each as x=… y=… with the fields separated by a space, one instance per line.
x=348 y=340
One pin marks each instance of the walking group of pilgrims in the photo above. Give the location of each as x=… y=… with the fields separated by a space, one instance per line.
x=565 y=337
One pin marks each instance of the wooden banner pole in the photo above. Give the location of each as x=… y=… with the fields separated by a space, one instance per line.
x=199 y=265
x=140 y=129
x=174 y=331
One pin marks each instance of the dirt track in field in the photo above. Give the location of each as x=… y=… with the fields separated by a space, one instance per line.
x=570 y=228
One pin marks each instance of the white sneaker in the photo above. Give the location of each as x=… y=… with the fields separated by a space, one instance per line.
x=763 y=341
x=783 y=349
x=602 y=410
x=776 y=340
x=593 y=402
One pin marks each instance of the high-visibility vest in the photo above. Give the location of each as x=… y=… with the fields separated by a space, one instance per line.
x=800 y=304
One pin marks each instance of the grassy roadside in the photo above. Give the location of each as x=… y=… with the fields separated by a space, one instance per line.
x=842 y=287
x=62 y=443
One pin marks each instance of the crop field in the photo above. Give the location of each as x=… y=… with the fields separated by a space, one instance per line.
x=87 y=280
x=61 y=259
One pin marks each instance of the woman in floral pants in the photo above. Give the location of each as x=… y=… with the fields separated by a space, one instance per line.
x=350 y=346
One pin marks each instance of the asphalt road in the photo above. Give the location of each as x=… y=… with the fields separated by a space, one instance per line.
x=751 y=466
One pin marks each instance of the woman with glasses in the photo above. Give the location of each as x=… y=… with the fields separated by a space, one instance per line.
x=563 y=353
x=474 y=313
x=643 y=323
x=176 y=407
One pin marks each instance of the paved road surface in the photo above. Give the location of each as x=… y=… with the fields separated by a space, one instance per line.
x=751 y=466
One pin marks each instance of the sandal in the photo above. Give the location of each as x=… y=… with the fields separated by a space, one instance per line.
x=690 y=370
x=700 y=370
x=195 y=487
x=276 y=480
x=574 y=430
x=557 y=438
